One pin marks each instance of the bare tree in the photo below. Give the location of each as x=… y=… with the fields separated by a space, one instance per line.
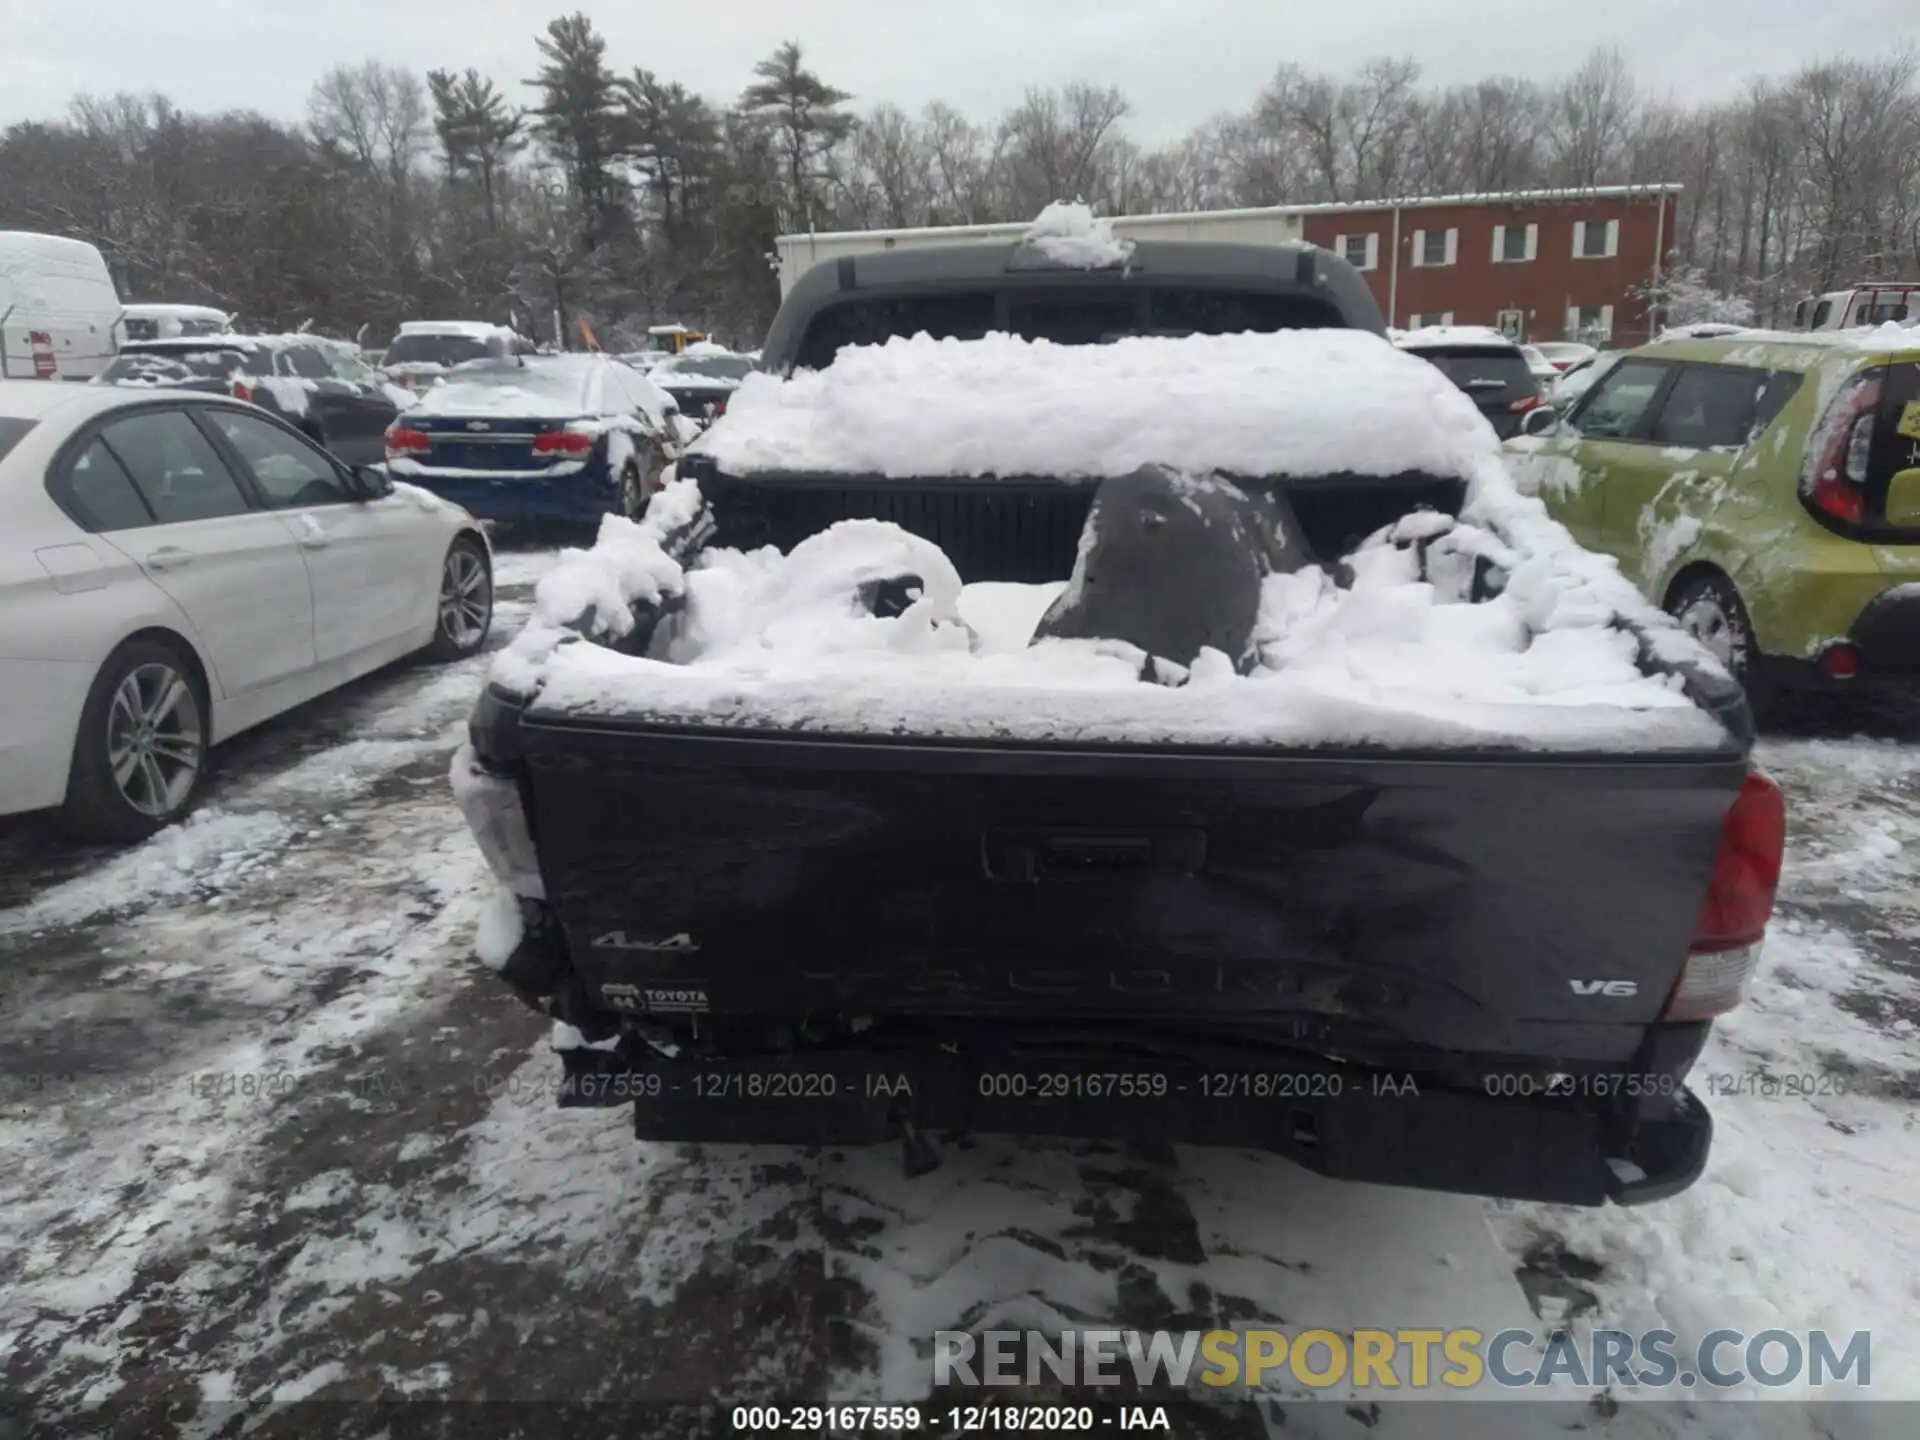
x=1373 y=122
x=1055 y=145
x=959 y=168
x=1589 y=117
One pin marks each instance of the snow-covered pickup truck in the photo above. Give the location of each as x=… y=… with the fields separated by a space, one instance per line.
x=1324 y=798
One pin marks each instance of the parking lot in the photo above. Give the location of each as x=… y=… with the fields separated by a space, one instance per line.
x=272 y=1135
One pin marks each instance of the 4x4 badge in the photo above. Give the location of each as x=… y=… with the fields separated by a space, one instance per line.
x=681 y=944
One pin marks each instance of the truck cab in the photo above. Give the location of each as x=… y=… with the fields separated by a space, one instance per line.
x=1864 y=304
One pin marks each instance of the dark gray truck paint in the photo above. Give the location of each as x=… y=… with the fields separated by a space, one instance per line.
x=1272 y=934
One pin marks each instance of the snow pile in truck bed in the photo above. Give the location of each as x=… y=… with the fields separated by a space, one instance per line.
x=1304 y=402
x=771 y=640
x=768 y=641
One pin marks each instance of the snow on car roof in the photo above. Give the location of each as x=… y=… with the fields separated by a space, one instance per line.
x=491 y=387
x=1888 y=334
x=1434 y=336
x=1301 y=402
x=38 y=399
x=1067 y=233
x=477 y=329
x=224 y=342
x=166 y=310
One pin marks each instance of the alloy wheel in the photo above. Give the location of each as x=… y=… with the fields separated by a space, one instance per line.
x=155 y=738
x=466 y=599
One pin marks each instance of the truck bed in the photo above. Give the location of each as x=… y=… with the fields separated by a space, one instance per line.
x=801 y=855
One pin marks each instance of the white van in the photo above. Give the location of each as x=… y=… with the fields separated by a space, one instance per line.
x=172 y=322
x=58 y=308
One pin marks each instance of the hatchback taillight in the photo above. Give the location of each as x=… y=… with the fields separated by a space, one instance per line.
x=1725 y=950
x=1835 y=476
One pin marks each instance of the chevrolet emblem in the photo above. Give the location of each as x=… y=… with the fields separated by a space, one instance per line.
x=478 y=425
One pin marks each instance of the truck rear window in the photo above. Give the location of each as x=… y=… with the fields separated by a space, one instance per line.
x=12 y=432
x=1076 y=315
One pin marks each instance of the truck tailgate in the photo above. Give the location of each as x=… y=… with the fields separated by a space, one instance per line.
x=1505 y=903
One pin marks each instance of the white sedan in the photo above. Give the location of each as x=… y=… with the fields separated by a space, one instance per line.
x=176 y=567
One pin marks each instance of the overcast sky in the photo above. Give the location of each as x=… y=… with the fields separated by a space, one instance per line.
x=1179 y=61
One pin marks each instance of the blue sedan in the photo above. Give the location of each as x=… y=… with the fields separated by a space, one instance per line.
x=565 y=438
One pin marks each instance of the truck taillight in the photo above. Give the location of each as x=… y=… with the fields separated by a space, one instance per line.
x=241 y=390
x=404 y=441
x=1725 y=951
x=1836 y=471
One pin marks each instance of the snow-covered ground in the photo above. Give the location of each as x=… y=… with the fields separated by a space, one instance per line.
x=266 y=1132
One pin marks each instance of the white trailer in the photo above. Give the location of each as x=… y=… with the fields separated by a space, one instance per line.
x=1266 y=226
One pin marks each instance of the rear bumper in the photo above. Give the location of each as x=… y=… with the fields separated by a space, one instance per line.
x=582 y=497
x=1344 y=1122
x=1887 y=634
x=913 y=1082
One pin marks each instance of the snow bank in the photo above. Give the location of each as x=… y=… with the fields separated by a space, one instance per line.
x=1067 y=234
x=1301 y=403
x=1396 y=658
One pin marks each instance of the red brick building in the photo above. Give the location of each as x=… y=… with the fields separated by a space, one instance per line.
x=1540 y=264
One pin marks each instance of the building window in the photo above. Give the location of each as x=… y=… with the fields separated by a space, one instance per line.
x=1435 y=247
x=1515 y=244
x=1511 y=323
x=1432 y=317
x=1592 y=324
x=1596 y=239
x=1360 y=251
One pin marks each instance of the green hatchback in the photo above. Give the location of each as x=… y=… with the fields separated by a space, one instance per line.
x=1764 y=488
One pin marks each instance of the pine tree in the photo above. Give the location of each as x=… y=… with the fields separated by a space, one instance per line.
x=803 y=111
x=674 y=139
x=580 y=121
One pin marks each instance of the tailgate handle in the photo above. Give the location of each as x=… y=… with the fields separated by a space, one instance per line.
x=1062 y=853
